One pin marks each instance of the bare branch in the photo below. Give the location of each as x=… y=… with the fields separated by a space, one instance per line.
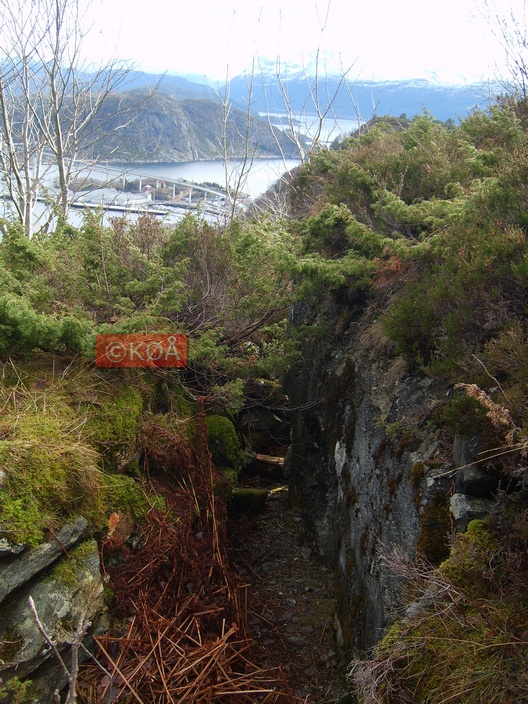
x=76 y=643
x=511 y=33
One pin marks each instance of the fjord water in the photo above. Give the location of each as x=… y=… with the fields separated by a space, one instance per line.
x=257 y=176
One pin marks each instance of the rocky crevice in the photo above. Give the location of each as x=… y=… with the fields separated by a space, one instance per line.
x=63 y=578
x=369 y=467
x=368 y=470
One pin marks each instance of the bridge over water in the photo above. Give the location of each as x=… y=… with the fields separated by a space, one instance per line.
x=213 y=201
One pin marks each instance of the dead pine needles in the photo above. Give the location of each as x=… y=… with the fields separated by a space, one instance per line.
x=185 y=638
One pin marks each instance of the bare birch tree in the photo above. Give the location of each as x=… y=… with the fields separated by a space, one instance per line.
x=21 y=146
x=236 y=169
x=319 y=115
x=508 y=27
x=51 y=101
x=321 y=107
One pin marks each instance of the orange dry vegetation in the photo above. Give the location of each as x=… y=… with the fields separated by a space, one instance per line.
x=185 y=638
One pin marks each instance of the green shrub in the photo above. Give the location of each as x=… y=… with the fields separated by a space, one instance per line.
x=464 y=640
x=462 y=299
x=18 y=692
x=466 y=416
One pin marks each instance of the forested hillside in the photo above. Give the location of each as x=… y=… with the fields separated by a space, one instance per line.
x=421 y=232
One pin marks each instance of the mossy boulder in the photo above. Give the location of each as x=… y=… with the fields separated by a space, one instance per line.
x=113 y=423
x=247 y=500
x=72 y=587
x=224 y=443
x=55 y=438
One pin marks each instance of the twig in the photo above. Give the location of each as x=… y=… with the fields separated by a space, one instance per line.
x=491 y=376
x=122 y=675
x=95 y=660
x=80 y=632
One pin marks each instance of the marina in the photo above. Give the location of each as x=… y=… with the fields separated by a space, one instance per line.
x=169 y=191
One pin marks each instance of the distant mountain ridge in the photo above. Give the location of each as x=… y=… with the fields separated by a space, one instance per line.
x=277 y=88
x=182 y=121
x=179 y=87
x=295 y=91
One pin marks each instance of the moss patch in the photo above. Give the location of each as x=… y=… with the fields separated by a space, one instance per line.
x=224 y=443
x=130 y=495
x=67 y=570
x=247 y=500
x=417 y=473
x=12 y=642
x=50 y=468
x=471 y=556
x=113 y=423
x=60 y=425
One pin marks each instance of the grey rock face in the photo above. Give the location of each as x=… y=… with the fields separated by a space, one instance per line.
x=362 y=463
x=477 y=482
x=17 y=572
x=466 y=508
x=64 y=588
x=8 y=549
x=59 y=603
x=366 y=465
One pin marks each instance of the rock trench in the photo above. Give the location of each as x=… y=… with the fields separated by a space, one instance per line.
x=290 y=595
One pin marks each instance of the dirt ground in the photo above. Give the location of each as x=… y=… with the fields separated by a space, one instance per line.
x=289 y=598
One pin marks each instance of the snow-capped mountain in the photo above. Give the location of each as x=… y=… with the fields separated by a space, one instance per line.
x=274 y=86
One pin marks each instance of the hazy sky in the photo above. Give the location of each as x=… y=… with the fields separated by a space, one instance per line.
x=382 y=38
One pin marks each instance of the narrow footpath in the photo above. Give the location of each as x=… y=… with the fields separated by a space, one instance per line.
x=290 y=598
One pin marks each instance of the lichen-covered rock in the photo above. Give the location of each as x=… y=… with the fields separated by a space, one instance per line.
x=72 y=589
x=15 y=573
x=467 y=508
x=8 y=549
